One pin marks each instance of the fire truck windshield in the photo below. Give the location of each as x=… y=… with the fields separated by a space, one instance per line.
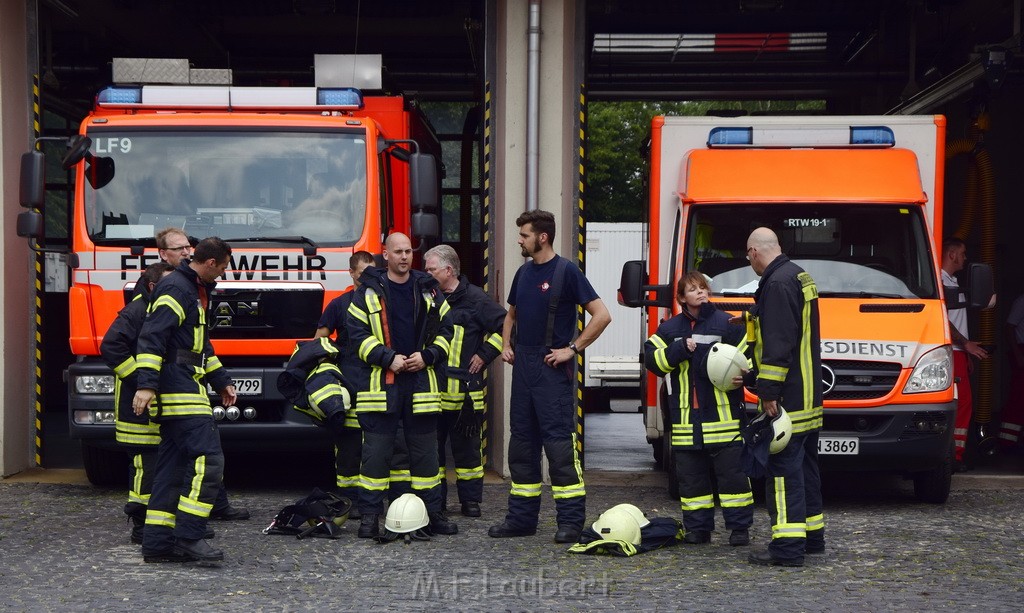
x=851 y=250
x=229 y=184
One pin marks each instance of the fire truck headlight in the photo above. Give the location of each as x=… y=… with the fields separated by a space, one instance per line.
x=933 y=373
x=232 y=413
x=94 y=384
x=249 y=413
x=218 y=413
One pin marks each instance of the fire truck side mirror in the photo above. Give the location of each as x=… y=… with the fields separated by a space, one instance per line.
x=33 y=175
x=425 y=225
x=423 y=185
x=633 y=289
x=30 y=224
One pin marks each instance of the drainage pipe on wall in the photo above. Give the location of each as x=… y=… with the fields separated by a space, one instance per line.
x=533 y=107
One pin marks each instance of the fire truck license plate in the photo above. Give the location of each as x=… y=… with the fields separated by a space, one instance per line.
x=838 y=445
x=246 y=386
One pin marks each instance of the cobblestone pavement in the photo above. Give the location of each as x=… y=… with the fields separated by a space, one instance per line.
x=65 y=547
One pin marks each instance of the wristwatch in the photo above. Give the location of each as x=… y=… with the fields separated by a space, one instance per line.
x=574 y=348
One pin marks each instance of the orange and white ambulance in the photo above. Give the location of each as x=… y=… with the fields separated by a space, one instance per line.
x=857 y=202
x=295 y=179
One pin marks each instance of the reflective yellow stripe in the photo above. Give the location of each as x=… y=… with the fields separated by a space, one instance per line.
x=159 y=518
x=148 y=360
x=370 y=483
x=736 y=500
x=494 y=340
x=816 y=522
x=468 y=474
x=660 y=360
x=194 y=507
x=526 y=490
x=169 y=302
x=773 y=373
x=699 y=502
x=125 y=368
x=425 y=483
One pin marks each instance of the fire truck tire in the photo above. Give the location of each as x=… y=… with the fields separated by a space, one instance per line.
x=105 y=467
x=933 y=485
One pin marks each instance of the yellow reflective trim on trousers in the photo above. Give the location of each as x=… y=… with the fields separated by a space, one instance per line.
x=172 y=304
x=197 y=480
x=125 y=368
x=796 y=531
x=732 y=501
x=576 y=462
x=494 y=340
x=816 y=522
x=371 y=483
x=561 y=492
x=194 y=507
x=468 y=474
x=137 y=481
x=400 y=476
x=347 y=481
x=455 y=353
x=425 y=483
x=526 y=490
x=159 y=518
x=780 y=498
x=699 y=502
x=138 y=498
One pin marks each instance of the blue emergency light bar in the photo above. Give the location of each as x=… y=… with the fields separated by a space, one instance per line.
x=229 y=97
x=790 y=136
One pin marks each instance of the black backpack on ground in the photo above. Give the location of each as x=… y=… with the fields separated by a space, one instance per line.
x=320 y=514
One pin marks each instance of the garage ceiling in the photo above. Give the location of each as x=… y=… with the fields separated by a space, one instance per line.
x=878 y=51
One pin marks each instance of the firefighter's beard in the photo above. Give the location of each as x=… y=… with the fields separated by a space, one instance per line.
x=527 y=253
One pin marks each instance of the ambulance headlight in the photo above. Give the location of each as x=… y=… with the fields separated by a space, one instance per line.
x=933 y=373
x=94 y=384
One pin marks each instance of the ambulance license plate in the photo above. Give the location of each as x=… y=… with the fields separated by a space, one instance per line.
x=838 y=445
x=245 y=386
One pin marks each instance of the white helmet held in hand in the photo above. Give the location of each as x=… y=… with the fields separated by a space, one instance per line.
x=725 y=362
x=782 y=431
x=406 y=514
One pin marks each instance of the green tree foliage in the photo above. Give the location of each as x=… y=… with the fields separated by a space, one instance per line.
x=616 y=170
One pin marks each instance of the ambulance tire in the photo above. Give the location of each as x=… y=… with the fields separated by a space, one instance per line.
x=105 y=467
x=932 y=486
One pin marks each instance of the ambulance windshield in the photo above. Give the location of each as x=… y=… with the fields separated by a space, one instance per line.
x=230 y=184
x=851 y=251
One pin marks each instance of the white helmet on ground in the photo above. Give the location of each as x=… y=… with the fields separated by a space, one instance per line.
x=618 y=524
x=633 y=510
x=406 y=514
x=725 y=362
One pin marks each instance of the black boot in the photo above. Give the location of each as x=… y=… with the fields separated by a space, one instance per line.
x=369 y=526
x=440 y=524
x=198 y=550
x=138 y=523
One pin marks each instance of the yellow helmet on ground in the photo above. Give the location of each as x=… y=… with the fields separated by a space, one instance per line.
x=618 y=524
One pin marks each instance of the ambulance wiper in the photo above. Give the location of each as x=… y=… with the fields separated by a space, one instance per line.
x=860 y=295
x=309 y=250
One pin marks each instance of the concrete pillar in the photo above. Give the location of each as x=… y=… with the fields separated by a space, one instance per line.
x=560 y=75
x=16 y=431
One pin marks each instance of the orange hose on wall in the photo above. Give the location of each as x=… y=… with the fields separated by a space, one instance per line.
x=979 y=202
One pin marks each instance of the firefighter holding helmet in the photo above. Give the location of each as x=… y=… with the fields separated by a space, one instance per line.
x=705 y=419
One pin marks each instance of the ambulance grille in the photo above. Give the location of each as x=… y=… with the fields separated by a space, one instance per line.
x=860 y=380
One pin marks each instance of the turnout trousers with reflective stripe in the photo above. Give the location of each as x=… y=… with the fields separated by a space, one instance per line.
x=696 y=496
x=793 y=498
x=186 y=482
x=348 y=451
x=379 y=431
x=469 y=469
x=541 y=415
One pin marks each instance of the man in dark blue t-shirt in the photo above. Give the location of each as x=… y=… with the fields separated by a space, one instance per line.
x=544 y=358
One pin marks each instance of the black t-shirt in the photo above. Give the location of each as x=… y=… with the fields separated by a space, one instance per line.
x=529 y=295
x=400 y=316
x=335 y=316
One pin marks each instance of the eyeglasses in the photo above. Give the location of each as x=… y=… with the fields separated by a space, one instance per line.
x=182 y=249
